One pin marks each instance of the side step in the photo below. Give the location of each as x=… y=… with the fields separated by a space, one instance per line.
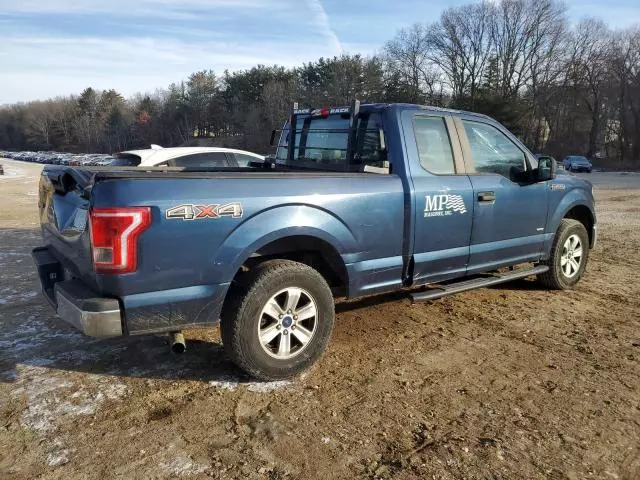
x=464 y=285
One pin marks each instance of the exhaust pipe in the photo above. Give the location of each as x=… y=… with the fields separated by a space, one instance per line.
x=178 y=344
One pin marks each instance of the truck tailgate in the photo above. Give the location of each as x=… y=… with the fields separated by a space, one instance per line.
x=63 y=207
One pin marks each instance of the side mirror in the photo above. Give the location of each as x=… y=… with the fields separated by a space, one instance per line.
x=546 y=169
x=273 y=137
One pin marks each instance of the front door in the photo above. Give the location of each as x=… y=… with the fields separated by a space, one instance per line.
x=443 y=197
x=510 y=211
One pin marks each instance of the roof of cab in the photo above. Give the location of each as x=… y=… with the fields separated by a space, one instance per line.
x=413 y=106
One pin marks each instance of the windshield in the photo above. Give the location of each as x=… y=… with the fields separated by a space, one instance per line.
x=321 y=142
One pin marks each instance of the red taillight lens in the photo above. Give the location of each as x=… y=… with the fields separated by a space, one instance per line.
x=114 y=237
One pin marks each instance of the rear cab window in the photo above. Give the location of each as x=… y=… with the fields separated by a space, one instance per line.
x=321 y=141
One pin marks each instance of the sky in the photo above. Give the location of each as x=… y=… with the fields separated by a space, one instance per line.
x=50 y=48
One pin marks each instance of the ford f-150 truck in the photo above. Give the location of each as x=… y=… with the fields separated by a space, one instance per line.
x=357 y=200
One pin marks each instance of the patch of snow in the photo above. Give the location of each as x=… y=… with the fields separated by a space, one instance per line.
x=182 y=467
x=11 y=295
x=264 y=387
x=57 y=458
x=34 y=333
x=11 y=173
x=59 y=455
x=49 y=397
x=232 y=384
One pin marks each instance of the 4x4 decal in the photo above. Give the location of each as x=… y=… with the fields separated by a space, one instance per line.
x=190 y=211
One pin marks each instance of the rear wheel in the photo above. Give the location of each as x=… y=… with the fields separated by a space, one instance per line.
x=278 y=322
x=569 y=255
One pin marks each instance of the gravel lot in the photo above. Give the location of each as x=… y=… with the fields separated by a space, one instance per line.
x=507 y=382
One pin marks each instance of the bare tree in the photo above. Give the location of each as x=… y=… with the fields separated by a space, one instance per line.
x=407 y=58
x=41 y=119
x=591 y=46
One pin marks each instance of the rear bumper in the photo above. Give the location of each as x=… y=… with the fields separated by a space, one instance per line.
x=76 y=304
x=94 y=316
x=136 y=314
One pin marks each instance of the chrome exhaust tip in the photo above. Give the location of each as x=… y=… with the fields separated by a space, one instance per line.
x=178 y=345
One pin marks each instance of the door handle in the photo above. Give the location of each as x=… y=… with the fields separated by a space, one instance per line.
x=486 y=197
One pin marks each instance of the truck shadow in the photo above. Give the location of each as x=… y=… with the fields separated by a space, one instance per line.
x=32 y=337
x=36 y=338
x=521 y=284
x=55 y=347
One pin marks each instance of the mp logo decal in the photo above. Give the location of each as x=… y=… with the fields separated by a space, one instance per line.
x=443 y=205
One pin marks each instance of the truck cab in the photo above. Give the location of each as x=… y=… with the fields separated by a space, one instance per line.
x=475 y=199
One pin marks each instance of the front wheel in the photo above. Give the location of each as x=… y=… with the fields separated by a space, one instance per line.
x=279 y=322
x=569 y=255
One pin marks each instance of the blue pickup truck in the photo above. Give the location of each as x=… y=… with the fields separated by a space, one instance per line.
x=357 y=201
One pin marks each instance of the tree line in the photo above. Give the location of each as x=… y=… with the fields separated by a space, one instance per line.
x=564 y=89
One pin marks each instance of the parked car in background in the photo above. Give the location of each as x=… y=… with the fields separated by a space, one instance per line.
x=577 y=163
x=151 y=157
x=186 y=157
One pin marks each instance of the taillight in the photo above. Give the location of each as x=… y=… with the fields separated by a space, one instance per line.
x=114 y=237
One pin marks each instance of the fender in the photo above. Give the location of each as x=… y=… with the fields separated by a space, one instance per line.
x=573 y=198
x=274 y=224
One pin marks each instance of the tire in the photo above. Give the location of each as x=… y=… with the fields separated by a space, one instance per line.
x=257 y=309
x=562 y=273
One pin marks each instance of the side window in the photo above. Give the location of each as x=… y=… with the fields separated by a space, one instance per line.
x=244 y=160
x=493 y=151
x=434 y=146
x=208 y=159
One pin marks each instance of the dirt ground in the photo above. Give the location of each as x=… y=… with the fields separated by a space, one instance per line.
x=501 y=383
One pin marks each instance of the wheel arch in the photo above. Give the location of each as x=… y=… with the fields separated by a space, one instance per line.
x=578 y=205
x=310 y=250
x=584 y=215
x=298 y=232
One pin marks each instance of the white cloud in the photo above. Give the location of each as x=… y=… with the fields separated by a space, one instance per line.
x=322 y=21
x=43 y=67
x=128 y=6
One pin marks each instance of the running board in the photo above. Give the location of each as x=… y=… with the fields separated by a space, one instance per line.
x=462 y=286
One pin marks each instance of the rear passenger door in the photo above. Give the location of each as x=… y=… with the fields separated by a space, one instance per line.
x=443 y=197
x=509 y=210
